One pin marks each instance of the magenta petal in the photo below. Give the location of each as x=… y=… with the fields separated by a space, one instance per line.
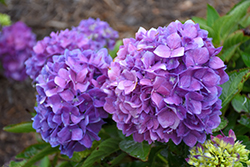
x=64 y=135
x=81 y=76
x=77 y=134
x=174 y=99
x=231 y=134
x=156 y=98
x=76 y=119
x=174 y=40
x=67 y=95
x=190 y=140
x=201 y=56
x=60 y=82
x=185 y=81
x=82 y=87
x=211 y=79
x=148 y=59
x=178 y=52
x=216 y=63
x=196 y=106
x=166 y=118
x=162 y=51
x=86 y=141
x=145 y=81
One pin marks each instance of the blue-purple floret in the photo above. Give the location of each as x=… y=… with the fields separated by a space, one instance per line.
x=70 y=99
x=90 y=34
x=163 y=85
x=16 y=43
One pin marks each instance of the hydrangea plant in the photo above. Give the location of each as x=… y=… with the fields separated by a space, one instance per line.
x=16 y=43
x=220 y=150
x=164 y=85
x=70 y=101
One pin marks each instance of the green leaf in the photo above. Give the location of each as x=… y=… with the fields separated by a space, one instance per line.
x=118 y=159
x=228 y=53
x=233 y=86
x=237 y=37
x=199 y=20
x=64 y=164
x=212 y=15
x=32 y=150
x=36 y=155
x=106 y=148
x=236 y=15
x=24 y=127
x=245 y=21
x=45 y=162
x=217 y=28
x=17 y=164
x=116 y=48
x=241 y=103
x=3 y=2
x=135 y=149
x=246 y=58
x=222 y=125
x=245 y=120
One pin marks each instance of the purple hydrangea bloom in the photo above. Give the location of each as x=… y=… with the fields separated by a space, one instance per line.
x=100 y=33
x=16 y=42
x=70 y=100
x=164 y=85
x=90 y=34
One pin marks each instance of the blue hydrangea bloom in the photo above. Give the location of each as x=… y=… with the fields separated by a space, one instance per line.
x=70 y=99
x=163 y=85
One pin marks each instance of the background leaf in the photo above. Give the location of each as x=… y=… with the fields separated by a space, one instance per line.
x=24 y=127
x=233 y=86
x=246 y=58
x=245 y=120
x=34 y=153
x=106 y=148
x=116 y=48
x=237 y=37
x=212 y=15
x=135 y=149
x=241 y=103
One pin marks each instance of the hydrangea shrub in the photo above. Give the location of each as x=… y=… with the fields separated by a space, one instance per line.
x=16 y=43
x=90 y=34
x=164 y=84
x=70 y=101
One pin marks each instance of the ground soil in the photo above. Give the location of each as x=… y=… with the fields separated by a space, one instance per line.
x=43 y=16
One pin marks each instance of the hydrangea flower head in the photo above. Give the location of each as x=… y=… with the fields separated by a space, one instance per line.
x=16 y=43
x=70 y=101
x=163 y=85
x=78 y=38
x=219 y=151
x=100 y=33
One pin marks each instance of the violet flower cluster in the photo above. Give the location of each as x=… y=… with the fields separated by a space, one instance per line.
x=164 y=85
x=16 y=43
x=90 y=34
x=70 y=101
x=99 y=32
